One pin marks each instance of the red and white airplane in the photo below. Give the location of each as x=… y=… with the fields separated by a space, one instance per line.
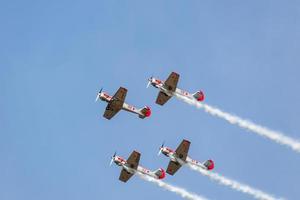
x=180 y=157
x=131 y=166
x=169 y=88
x=116 y=103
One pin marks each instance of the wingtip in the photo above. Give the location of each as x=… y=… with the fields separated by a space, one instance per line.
x=185 y=140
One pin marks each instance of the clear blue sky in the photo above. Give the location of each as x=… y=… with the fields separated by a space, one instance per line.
x=55 y=56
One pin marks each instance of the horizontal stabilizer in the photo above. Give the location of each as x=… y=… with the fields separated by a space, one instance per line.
x=199 y=96
x=209 y=164
x=160 y=173
x=146 y=111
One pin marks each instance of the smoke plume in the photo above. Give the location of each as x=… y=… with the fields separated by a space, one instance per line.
x=275 y=136
x=178 y=190
x=258 y=194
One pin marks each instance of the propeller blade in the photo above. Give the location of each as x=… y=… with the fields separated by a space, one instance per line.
x=159 y=152
x=98 y=95
x=149 y=81
x=148 y=84
x=161 y=147
x=112 y=159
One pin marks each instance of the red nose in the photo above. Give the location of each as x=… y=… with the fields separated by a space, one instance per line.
x=163 y=174
x=211 y=166
x=201 y=96
x=148 y=112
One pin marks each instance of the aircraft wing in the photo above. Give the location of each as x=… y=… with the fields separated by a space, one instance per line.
x=120 y=94
x=182 y=149
x=112 y=108
x=125 y=176
x=173 y=167
x=162 y=98
x=171 y=83
x=115 y=105
x=133 y=160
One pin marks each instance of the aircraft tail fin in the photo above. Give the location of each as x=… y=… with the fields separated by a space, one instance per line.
x=199 y=95
x=160 y=173
x=209 y=164
x=146 y=112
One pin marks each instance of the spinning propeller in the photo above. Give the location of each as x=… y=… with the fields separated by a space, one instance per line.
x=149 y=81
x=112 y=158
x=161 y=147
x=97 y=97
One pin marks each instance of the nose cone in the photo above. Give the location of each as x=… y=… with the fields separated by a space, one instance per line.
x=165 y=151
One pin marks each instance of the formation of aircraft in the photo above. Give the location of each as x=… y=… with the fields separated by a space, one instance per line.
x=117 y=102
x=180 y=157
x=169 y=89
x=131 y=166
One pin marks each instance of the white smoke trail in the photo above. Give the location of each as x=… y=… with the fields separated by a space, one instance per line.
x=182 y=192
x=233 y=119
x=258 y=194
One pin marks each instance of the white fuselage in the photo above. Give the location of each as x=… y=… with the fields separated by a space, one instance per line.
x=160 y=85
x=172 y=155
x=107 y=98
x=122 y=162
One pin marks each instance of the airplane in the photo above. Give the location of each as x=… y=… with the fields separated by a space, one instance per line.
x=116 y=103
x=169 y=89
x=180 y=157
x=131 y=166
